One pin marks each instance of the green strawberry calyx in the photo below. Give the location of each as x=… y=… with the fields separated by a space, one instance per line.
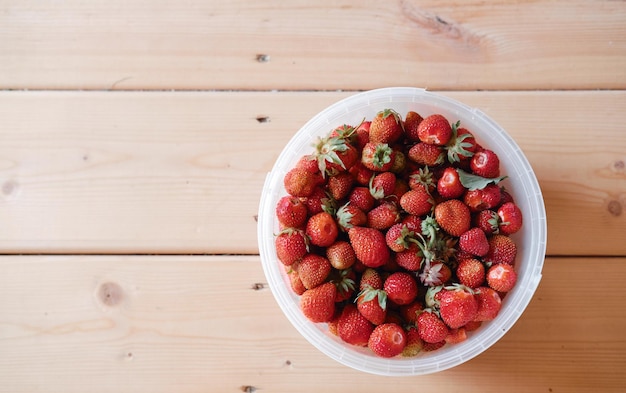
x=474 y=182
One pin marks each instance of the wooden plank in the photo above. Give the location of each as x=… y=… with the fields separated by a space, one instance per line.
x=141 y=172
x=194 y=324
x=331 y=44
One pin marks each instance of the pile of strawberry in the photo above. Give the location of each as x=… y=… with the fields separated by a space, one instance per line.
x=395 y=232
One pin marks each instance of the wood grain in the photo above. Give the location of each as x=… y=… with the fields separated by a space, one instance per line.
x=454 y=45
x=164 y=172
x=168 y=323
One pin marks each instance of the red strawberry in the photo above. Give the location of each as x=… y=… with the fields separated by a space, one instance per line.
x=472 y=325
x=372 y=304
x=313 y=270
x=425 y=154
x=414 y=343
x=435 y=130
x=449 y=186
x=345 y=281
x=453 y=216
x=378 y=157
x=456 y=336
x=383 y=216
x=361 y=174
x=317 y=201
x=461 y=146
x=502 y=249
x=411 y=121
x=431 y=328
x=383 y=185
x=369 y=245
x=296 y=284
x=417 y=202
x=471 y=273
x=340 y=185
x=353 y=327
x=434 y=274
x=489 y=304
x=291 y=245
x=474 y=241
x=457 y=306
x=400 y=189
x=318 y=304
x=510 y=218
x=399 y=236
x=322 y=229
x=488 y=221
x=483 y=198
x=362 y=198
x=501 y=277
x=370 y=278
x=386 y=127
x=291 y=212
x=429 y=347
x=334 y=155
x=309 y=163
x=362 y=134
x=387 y=340
x=485 y=163
x=340 y=255
x=410 y=259
x=412 y=222
x=410 y=312
x=299 y=182
x=401 y=288
x=422 y=178
x=349 y=216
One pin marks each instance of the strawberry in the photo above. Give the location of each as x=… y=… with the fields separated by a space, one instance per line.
x=414 y=343
x=291 y=246
x=309 y=164
x=353 y=327
x=349 y=216
x=510 y=218
x=345 y=281
x=313 y=270
x=425 y=154
x=401 y=288
x=501 y=277
x=296 y=284
x=411 y=122
x=322 y=229
x=485 y=163
x=370 y=278
x=431 y=328
x=474 y=241
x=386 y=127
x=378 y=157
x=488 y=221
x=422 y=178
x=417 y=202
x=299 y=182
x=383 y=216
x=372 y=304
x=399 y=162
x=456 y=336
x=362 y=198
x=382 y=185
x=502 y=249
x=334 y=155
x=457 y=306
x=435 y=130
x=483 y=198
x=362 y=134
x=449 y=186
x=410 y=259
x=369 y=245
x=387 y=340
x=489 y=304
x=318 y=201
x=429 y=347
x=340 y=255
x=413 y=222
x=434 y=274
x=410 y=312
x=318 y=304
x=472 y=325
x=400 y=189
x=361 y=174
x=453 y=216
x=291 y=212
x=471 y=273
x=461 y=146
x=340 y=185
x=398 y=237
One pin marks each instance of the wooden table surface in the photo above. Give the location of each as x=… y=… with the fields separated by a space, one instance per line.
x=135 y=137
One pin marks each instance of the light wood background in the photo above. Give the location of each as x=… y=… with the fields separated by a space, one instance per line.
x=135 y=137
